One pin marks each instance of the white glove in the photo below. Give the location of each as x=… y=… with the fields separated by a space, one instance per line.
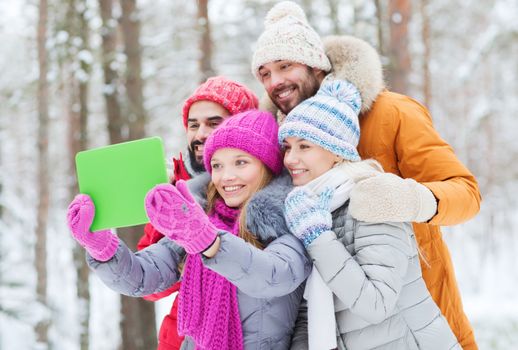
x=389 y=198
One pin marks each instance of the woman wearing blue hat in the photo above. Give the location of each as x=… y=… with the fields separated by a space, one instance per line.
x=366 y=284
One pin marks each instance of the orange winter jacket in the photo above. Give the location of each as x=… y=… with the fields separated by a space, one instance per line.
x=397 y=131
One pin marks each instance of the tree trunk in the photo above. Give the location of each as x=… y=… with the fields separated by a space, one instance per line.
x=308 y=10
x=425 y=33
x=379 y=16
x=333 y=9
x=138 y=326
x=110 y=92
x=400 y=64
x=138 y=321
x=134 y=85
x=77 y=26
x=42 y=326
x=205 y=61
x=1 y=188
x=357 y=18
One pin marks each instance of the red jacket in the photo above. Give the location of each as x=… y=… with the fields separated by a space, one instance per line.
x=168 y=337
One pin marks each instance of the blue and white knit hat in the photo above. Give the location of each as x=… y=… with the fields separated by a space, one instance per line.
x=328 y=119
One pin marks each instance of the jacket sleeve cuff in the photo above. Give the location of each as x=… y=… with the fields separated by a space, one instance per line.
x=427 y=204
x=439 y=193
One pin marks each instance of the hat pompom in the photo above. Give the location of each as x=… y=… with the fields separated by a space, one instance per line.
x=284 y=9
x=343 y=91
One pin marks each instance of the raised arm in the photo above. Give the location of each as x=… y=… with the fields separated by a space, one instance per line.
x=275 y=271
x=428 y=183
x=424 y=156
x=148 y=271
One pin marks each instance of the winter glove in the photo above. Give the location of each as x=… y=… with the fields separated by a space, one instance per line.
x=308 y=215
x=387 y=197
x=174 y=212
x=101 y=245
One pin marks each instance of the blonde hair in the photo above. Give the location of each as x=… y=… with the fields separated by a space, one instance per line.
x=266 y=177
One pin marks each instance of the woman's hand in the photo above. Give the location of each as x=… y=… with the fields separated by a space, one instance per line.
x=101 y=245
x=174 y=212
x=307 y=214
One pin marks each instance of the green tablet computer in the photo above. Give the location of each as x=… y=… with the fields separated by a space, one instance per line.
x=117 y=178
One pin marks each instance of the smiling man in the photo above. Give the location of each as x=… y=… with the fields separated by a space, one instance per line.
x=291 y=61
x=205 y=110
x=203 y=118
x=208 y=106
x=289 y=83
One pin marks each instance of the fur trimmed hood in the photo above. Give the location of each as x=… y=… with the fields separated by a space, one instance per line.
x=265 y=211
x=354 y=60
x=357 y=61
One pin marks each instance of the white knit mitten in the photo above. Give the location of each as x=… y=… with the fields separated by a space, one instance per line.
x=387 y=197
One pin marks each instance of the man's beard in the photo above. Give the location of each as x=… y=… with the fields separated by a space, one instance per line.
x=307 y=89
x=196 y=166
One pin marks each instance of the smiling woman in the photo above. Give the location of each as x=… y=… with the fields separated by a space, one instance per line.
x=366 y=274
x=305 y=160
x=236 y=175
x=243 y=270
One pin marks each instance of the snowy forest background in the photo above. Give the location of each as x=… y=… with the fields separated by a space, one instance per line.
x=78 y=74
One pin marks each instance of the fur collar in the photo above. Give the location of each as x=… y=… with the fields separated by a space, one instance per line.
x=265 y=211
x=351 y=59
x=357 y=61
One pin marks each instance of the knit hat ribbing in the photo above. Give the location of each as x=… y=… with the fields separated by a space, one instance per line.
x=232 y=96
x=328 y=119
x=288 y=36
x=254 y=132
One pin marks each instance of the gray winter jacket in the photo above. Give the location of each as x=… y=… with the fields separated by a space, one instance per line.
x=269 y=281
x=381 y=300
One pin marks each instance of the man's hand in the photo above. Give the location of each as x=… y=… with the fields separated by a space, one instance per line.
x=389 y=198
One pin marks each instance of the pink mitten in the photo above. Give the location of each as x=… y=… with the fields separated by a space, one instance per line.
x=174 y=212
x=101 y=245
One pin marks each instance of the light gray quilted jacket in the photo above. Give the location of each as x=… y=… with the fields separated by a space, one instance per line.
x=269 y=281
x=381 y=300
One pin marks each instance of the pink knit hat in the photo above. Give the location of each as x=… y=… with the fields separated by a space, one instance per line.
x=232 y=96
x=254 y=132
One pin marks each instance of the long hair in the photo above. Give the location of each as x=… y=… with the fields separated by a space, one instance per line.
x=266 y=177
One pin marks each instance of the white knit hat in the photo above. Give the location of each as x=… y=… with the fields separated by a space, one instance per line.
x=288 y=36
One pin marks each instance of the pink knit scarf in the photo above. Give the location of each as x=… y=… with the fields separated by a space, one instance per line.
x=208 y=308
